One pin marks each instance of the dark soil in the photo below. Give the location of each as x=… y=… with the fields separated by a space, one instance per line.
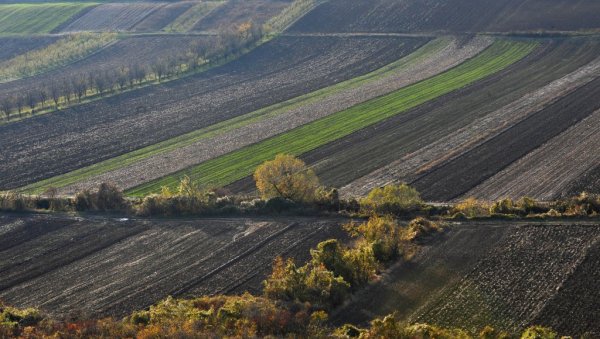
x=507 y=275
x=284 y=68
x=100 y=266
x=458 y=176
x=451 y=16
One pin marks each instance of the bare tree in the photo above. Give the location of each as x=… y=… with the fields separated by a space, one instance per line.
x=55 y=93
x=159 y=68
x=31 y=101
x=43 y=94
x=20 y=103
x=6 y=105
x=122 y=78
x=79 y=87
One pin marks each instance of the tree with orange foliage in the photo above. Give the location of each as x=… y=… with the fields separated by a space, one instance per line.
x=286 y=177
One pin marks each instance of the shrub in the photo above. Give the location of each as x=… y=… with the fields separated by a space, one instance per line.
x=11 y=201
x=107 y=197
x=472 y=208
x=382 y=233
x=310 y=283
x=392 y=199
x=419 y=228
x=539 y=332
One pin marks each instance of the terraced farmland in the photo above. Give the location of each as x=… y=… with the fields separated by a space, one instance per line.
x=36 y=18
x=113 y=267
x=507 y=275
x=113 y=17
x=239 y=164
x=279 y=70
x=451 y=16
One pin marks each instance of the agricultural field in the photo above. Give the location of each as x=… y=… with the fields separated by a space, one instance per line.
x=451 y=16
x=37 y=18
x=14 y=46
x=483 y=161
x=186 y=21
x=114 y=17
x=100 y=267
x=143 y=50
x=278 y=70
x=547 y=172
x=239 y=164
x=162 y=17
x=235 y=12
x=515 y=99
x=60 y=53
x=417 y=142
x=195 y=147
x=506 y=274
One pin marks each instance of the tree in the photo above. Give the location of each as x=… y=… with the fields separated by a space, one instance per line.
x=287 y=177
x=43 y=94
x=6 y=105
x=159 y=68
x=55 y=93
x=20 y=103
x=31 y=101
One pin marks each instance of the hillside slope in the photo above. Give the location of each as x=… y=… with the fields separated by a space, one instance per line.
x=508 y=275
x=451 y=15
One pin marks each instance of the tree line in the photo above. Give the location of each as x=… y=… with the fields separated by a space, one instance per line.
x=74 y=88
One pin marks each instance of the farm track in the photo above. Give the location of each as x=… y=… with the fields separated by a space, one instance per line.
x=276 y=71
x=143 y=50
x=236 y=12
x=507 y=275
x=14 y=46
x=113 y=17
x=456 y=177
x=337 y=16
x=107 y=267
x=547 y=172
x=453 y=145
x=445 y=54
x=352 y=157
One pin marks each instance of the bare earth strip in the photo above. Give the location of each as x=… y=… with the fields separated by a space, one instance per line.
x=546 y=172
x=113 y=267
x=113 y=17
x=485 y=128
x=163 y=164
x=508 y=275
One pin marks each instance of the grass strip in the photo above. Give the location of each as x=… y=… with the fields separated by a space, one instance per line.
x=231 y=124
x=241 y=163
x=36 y=18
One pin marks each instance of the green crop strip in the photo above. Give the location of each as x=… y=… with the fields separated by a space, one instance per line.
x=36 y=18
x=231 y=124
x=241 y=163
